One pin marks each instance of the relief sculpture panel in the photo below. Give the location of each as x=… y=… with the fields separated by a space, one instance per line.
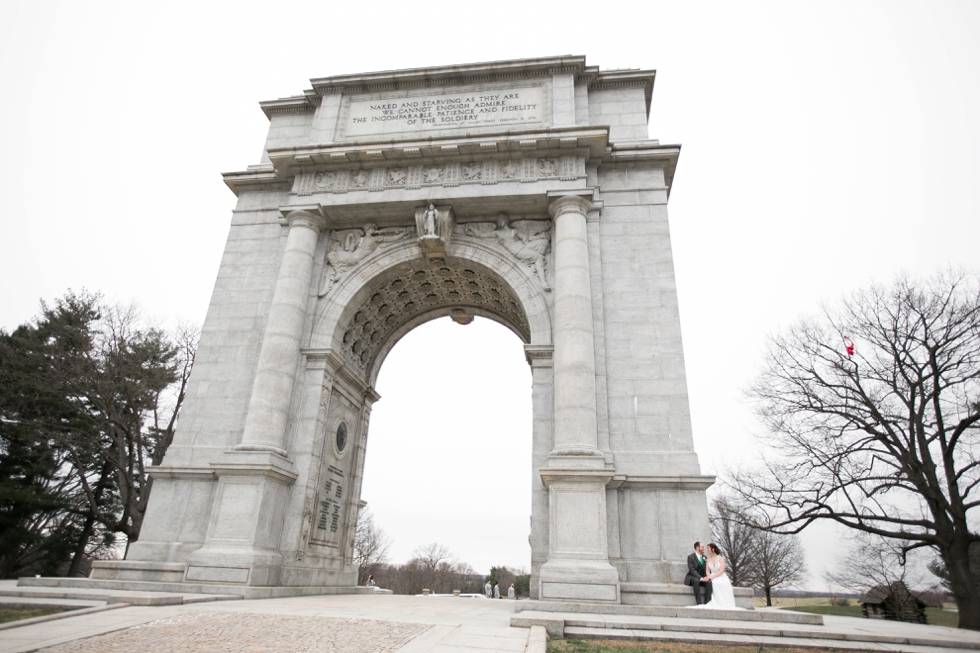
x=527 y=240
x=349 y=247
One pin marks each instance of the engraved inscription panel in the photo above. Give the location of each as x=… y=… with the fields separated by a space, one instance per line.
x=577 y=534
x=238 y=505
x=474 y=107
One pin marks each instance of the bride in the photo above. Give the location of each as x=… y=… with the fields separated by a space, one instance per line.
x=722 y=594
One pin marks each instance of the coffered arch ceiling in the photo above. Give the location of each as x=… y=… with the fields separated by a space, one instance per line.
x=414 y=292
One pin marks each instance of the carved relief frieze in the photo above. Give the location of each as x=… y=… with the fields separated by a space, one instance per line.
x=359 y=178
x=471 y=171
x=432 y=175
x=547 y=168
x=452 y=174
x=529 y=241
x=414 y=179
x=396 y=176
x=377 y=179
x=568 y=167
x=346 y=248
x=489 y=171
x=509 y=169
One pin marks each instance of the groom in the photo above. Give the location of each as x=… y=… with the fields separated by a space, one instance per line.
x=695 y=574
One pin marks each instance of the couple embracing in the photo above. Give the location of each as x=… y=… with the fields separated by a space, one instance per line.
x=707 y=575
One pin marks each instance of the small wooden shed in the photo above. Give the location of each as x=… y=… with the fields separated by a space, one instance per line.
x=894 y=602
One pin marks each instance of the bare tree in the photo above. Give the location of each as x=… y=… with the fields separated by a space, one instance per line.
x=432 y=567
x=871 y=560
x=738 y=540
x=881 y=436
x=371 y=546
x=779 y=561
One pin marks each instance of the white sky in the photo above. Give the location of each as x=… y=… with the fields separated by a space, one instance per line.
x=825 y=144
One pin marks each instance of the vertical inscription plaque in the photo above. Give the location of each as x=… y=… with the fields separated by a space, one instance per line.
x=331 y=495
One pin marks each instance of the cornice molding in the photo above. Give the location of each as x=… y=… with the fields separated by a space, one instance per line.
x=626 y=78
x=330 y=359
x=448 y=75
x=649 y=483
x=558 y=141
x=645 y=151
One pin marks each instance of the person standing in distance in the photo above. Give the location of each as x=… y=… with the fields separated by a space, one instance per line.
x=511 y=593
x=488 y=588
x=496 y=590
x=696 y=574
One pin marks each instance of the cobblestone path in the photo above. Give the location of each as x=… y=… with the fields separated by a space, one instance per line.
x=229 y=632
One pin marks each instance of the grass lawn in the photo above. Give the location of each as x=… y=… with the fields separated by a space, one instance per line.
x=606 y=646
x=935 y=616
x=835 y=610
x=14 y=614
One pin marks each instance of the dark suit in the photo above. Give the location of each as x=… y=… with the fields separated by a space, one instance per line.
x=695 y=572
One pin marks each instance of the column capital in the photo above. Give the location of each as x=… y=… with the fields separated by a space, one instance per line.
x=569 y=204
x=539 y=355
x=305 y=218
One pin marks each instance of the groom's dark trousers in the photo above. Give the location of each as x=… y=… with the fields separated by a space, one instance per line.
x=695 y=572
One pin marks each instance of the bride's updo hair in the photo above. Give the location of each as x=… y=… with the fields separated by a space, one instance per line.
x=714 y=549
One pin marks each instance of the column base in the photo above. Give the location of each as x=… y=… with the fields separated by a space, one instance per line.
x=578 y=566
x=246 y=521
x=215 y=563
x=578 y=580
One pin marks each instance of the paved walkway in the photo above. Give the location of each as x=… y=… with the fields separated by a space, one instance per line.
x=338 y=624
x=406 y=624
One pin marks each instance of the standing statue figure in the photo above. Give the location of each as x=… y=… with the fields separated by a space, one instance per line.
x=528 y=240
x=429 y=221
x=347 y=251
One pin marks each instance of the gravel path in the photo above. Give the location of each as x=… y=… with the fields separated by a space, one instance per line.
x=221 y=632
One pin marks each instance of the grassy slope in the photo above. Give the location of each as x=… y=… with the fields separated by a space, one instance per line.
x=604 y=646
x=14 y=614
x=935 y=616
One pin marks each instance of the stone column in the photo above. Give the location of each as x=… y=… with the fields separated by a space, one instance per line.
x=272 y=390
x=575 y=402
x=243 y=540
x=576 y=474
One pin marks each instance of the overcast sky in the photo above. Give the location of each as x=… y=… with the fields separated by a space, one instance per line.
x=825 y=144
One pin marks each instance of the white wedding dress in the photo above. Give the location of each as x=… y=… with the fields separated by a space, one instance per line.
x=722 y=594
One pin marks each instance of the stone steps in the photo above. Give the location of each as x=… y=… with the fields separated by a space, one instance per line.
x=706 y=628
x=675 y=612
x=103 y=596
x=673 y=595
x=910 y=645
x=191 y=590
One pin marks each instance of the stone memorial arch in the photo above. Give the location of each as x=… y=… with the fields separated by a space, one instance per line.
x=525 y=192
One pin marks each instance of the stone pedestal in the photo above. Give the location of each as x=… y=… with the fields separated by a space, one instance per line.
x=243 y=535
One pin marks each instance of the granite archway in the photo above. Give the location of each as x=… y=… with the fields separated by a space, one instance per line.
x=525 y=191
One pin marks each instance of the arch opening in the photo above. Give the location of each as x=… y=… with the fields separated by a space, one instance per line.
x=447 y=459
